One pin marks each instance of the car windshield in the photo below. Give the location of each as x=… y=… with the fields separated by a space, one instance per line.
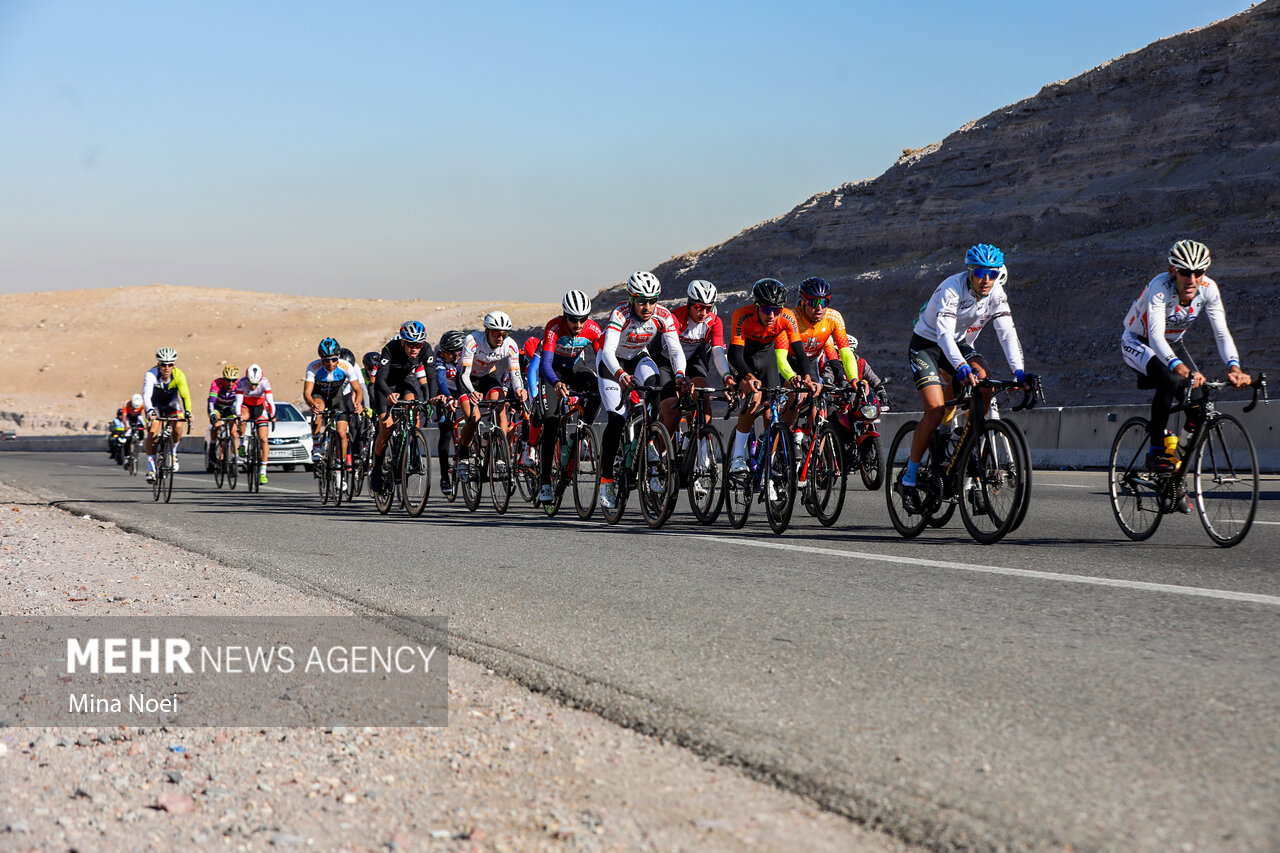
x=286 y=412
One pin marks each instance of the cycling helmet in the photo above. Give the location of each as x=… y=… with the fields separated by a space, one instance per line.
x=136 y=401
x=369 y=359
x=702 y=291
x=576 y=304
x=1003 y=277
x=230 y=372
x=815 y=288
x=853 y=343
x=769 y=291
x=497 y=321
x=329 y=348
x=166 y=355
x=984 y=255
x=452 y=341
x=347 y=355
x=120 y=412
x=1189 y=255
x=253 y=374
x=413 y=332
x=644 y=285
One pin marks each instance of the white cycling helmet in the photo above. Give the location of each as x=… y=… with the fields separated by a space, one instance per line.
x=853 y=343
x=136 y=401
x=1003 y=277
x=253 y=374
x=576 y=304
x=702 y=291
x=1189 y=255
x=645 y=285
x=497 y=321
x=166 y=355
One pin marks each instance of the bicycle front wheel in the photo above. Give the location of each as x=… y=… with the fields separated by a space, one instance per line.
x=826 y=482
x=219 y=462
x=230 y=463
x=471 y=482
x=871 y=462
x=739 y=487
x=706 y=475
x=993 y=486
x=251 y=465
x=585 y=473
x=1226 y=481
x=415 y=472
x=908 y=524
x=779 y=478
x=500 y=474
x=1135 y=493
x=657 y=481
x=324 y=475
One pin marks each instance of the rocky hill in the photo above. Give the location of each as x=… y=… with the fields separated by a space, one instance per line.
x=1084 y=185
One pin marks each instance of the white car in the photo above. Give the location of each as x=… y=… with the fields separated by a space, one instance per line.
x=289 y=439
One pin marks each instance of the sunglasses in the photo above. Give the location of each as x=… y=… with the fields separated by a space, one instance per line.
x=1190 y=273
x=329 y=360
x=412 y=345
x=569 y=318
x=702 y=306
x=644 y=301
x=769 y=309
x=986 y=272
x=819 y=302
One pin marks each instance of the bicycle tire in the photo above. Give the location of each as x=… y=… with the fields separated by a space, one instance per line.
x=500 y=474
x=168 y=473
x=471 y=483
x=1026 y=452
x=323 y=477
x=1219 y=461
x=1135 y=494
x=251 y=463
x=656 y=483
x=558 y=481
x=385 y=498
x=219 y=466
x=898 y=515
x=337 y=470
x=826 y=479
x=620 y=472
x=585 y=463
x=451 y=474
x=780 y=470
x=871 y=463
x=705 y=470
x=230 y=461
x=739 y=488
x=161 y=453
x=991 y=496
x=415 y=472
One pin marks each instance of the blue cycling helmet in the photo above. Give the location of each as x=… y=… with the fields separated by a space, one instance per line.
x=413 y=332
x=329 y=348
x=984 y=255
x=814 y=288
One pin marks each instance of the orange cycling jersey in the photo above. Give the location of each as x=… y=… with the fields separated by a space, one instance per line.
x=746 y=326
x=815 y=336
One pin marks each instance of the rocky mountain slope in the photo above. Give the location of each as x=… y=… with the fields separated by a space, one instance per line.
x=1085 y=186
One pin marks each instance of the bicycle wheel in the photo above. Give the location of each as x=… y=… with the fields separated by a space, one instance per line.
x=219 y=464
x=251 y=465
x=657 y=481
x=739 y=488
x=779 y=478
x=993 y=486
x=871 y=462
x=415 y=472
x=339 y=488
x=471 y=482
x=1026 y=454
x=826 y=483
x=169 y=459
x=1225 y=480
x=451 y=474
x=706 y=475
x=161 y=454
x=230 y=464
x=620 y=474
x=383 y=499
x=909 y=525
x=501 y=476
x=526 y=477
x=324 y=479
x=559 y=479
x=585 y=471
x=1135 y=494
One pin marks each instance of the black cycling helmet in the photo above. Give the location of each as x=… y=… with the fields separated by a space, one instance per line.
x=370 y=359
x=347 y=355
x=452 y=341
x=769 y=291
x=814 y=288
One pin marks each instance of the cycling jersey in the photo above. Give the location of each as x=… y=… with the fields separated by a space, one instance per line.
x=746 y=327
x=702 y=342
x=828 y=332
x=561 y=348
x=255 y=396
x=627 y=337
x=500 y=362
x=331 y=381
x=135 y=417
x=395 y=370
x=173 y=396
x=1158 y=320
x=446 y=375
x=954 y=311
x=222 y=395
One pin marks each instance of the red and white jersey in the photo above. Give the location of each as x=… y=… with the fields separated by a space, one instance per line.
x=627 y=337
x=255 y=395
x=480 y=359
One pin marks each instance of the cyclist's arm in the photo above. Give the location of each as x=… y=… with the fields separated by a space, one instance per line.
x=464 y=365
x=148 y=388
x=535 y=362
x=546 y=356
x=513 y=367
x=1008 y=336
x=609 y=352
x=1218 y=322
x=675 y=352
x=1156 y=307
x=738 y=359
x=426 y=373
x=945 y=328
x=308 y=391
x=213 y=399
x=183 y=391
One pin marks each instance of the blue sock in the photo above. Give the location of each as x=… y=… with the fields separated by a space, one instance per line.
x=909 y=478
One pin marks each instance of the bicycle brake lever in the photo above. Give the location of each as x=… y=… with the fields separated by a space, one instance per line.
x=1258 y=387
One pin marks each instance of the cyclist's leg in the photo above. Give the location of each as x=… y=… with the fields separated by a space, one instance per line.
x=926 y=360
x=611 y=397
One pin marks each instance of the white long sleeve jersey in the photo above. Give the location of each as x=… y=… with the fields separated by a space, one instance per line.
x=1158 y=318
x=954 y=311
x=480 y=359
x=626 y=336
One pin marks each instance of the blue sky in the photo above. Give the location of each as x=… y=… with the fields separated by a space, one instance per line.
x=480 y=149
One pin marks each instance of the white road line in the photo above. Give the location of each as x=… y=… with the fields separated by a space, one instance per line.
x=1200 y=592
x=1256 y=521
x=268 y=487
x=1067 y=485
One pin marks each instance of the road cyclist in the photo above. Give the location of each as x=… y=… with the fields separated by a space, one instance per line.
x=447 y=355
x=255 y=402
x=221 y=407
x=165 y=395
x=490 y=360
x=334 y=384
x=566 y=368
x=400 y=373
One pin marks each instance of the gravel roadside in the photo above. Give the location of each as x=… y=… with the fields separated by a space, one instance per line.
x=513 y=770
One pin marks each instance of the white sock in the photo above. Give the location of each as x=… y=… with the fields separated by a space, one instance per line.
x=740 y=443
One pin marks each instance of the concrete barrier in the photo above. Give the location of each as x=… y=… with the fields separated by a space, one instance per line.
x=81 y=443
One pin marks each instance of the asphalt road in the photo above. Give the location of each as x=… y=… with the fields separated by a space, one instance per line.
x=1064 y=687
